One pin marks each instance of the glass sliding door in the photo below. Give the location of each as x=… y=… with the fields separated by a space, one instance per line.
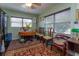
x=42 y=26
x=49 y=23
x=60 y=22
x=63 y=22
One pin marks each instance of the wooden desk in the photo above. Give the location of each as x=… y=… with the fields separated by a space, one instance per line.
x=73 y=45
x=27 y=35
x=73 y=41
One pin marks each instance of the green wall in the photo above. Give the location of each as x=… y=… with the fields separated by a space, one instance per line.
x=54 y=8
x=14 y=30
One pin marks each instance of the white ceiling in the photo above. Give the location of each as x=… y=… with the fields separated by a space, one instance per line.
x=22 y=8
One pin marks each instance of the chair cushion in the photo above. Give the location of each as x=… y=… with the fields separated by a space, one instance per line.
x=39 y=34
x=47 y=37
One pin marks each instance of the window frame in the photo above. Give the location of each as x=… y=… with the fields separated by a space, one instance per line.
x=54 y=23
x=19 y=17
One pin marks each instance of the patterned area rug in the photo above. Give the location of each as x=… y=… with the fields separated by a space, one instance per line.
x=34 y=49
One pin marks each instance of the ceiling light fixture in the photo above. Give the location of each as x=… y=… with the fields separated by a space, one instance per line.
x=28 y=4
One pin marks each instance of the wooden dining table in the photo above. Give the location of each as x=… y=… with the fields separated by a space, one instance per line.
x=73 y=45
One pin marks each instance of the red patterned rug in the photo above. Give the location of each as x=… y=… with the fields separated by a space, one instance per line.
x=36 y=49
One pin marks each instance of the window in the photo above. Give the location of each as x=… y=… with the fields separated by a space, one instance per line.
x=16 y=22
x=47 y=23
x=62 y=22
x=27 y=22
x=20 y=22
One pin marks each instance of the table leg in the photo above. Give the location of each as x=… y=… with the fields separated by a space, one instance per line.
x=46 y=43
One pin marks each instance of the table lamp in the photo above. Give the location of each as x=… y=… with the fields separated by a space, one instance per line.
x=75 y=32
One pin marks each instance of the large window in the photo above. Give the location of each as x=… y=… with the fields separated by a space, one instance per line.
x=20 y=22
x=60 y=22
x=27 y=22
x=49 y=23
x=16 y=22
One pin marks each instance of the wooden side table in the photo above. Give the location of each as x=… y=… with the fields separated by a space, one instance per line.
x=39 y=36
x=47 y=40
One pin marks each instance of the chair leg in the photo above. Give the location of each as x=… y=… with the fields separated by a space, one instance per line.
x=65 y=48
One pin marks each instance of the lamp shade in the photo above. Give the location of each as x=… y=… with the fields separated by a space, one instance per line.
x=74 y=30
